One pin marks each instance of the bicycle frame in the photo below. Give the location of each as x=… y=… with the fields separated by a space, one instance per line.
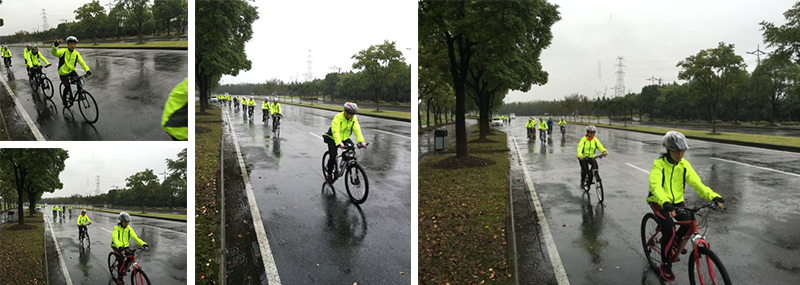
x=692 y=234
x=350 y=152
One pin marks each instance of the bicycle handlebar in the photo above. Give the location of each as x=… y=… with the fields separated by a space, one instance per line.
x=712 y=205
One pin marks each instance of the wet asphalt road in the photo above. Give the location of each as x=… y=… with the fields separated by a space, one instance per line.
x=315 y=233
x=756 y=237
x=165 y=263
x=130 y=88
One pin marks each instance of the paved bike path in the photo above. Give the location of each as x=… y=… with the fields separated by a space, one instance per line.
x=316 y=234
x=600 y=243
x=164 y=263
x=130 y=88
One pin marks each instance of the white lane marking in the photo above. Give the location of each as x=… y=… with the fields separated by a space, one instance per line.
x=58 y=250
x=261 y=233
x=558 y=267
x=637 y=168
x=102 y=228
x=385 y=132
x=24 y=114
x=313 y=134
x=166 y=229
x=759 y=167
x=751 y=147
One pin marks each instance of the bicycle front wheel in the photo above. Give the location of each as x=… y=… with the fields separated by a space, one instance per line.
x=356 y=183
x=48 y=85
x=709 y=269
x=88 y=107
x=599 y=187
x=139 y=278
x=34 y=84
x=651 y=240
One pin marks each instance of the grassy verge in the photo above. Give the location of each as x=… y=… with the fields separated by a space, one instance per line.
x=164 y=44
x=22 y=252
x=778 y=141
x=361 y=111
x=462 y=212
x=149 y=215
x=208 y=132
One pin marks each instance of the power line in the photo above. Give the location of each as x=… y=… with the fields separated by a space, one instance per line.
x=758 y=52
x=309 y=75
x=619 y=89
x=45 y=26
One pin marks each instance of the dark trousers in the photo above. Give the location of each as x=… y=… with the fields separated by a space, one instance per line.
x=333 y=150
x=585 y=170
x=121 y=260
x=669 y=237
x=65 y=80
x=81 y=230
x=7 y=60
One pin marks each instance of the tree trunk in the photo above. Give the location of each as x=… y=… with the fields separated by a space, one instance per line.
x=428 y=114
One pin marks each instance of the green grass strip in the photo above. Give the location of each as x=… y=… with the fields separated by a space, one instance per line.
x=148 y=215
x=158 y=44
x=207 y=220
x=462 y=212
x=22 y=252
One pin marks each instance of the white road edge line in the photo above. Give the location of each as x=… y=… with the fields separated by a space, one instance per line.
x=58 y=250
x=102 y=228
x=637 y=168
x=316 y=135
x=759 y=167
x=558 y=267
x=266 y=253
x=34 y=129
x=385 y=132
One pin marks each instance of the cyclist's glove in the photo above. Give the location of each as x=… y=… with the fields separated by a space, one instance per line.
x=48 y=65
x=89 y=73
x=341 y=145
x=363 y=144
x=718 y=200
x=668 y=207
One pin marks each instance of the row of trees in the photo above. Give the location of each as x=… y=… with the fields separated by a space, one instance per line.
x=143 y=189
x=375 y=82
x=717 y=87
x=26 y=174
x=480 y=50
x=126 y=18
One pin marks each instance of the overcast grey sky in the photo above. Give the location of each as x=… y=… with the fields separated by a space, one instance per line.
x=112 y=164
x=27 y=14
x=333 y=31
x=652 y=36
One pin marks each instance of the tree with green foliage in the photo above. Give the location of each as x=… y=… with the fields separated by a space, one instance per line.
x=716 y=70
x=164 y=11
x=31 y=172
x=331 y=79
x=1 y=19
x=785 y=38
x=143 y=184
x=777 y=75
x=226 y=26
x=376 y=62
x=138 y=12
x=92 y=15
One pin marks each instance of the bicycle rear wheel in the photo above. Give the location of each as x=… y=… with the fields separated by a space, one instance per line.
x=49 y=86
x=139 y=277
x=34 y=85
x=325 y=157
x=356 y=183
x=112 y=265
x=88 y=107
x=651 y=240
x=599 y=187
x=709 y=270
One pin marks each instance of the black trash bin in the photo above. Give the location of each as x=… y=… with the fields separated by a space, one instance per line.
x=438 y=140
x=10 y=216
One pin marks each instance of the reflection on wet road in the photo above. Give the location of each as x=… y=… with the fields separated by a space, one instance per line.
x=165 y=263
x=315 y=233
x=130 y=88
x=756 y=237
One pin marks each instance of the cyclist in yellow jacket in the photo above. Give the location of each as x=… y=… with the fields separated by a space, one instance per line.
x=542 y=127
x=83 y=220
x=530 y=128
x=6 y=53
x=68 y=58
x=175 y=119
x=26 y=54
x=265 y=106
x=668 y=177
x=342 y=127
x=276 y=113
x=586 y=149
x=33 y=64
x=120 y=237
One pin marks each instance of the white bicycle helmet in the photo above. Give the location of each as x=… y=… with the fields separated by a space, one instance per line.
x=591 y=128
x=351 y=108
x=124 y=217
x=675 y=141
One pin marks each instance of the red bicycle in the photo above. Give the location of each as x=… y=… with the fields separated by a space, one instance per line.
x=138 y=277
x=709 y=268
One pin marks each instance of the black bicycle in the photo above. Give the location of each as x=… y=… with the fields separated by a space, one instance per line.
x=84 y=234
x=39 y=79
x=276 y=124
x=542 y=135
x=346 y=165
x=86 y=103
x=594 y=175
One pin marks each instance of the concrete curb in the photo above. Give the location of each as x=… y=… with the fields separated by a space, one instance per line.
x=221 y=185
x=751 y=144
x=368 y=115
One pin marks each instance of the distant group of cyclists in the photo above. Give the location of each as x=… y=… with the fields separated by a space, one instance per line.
x=544 y=127
x=248 y=104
